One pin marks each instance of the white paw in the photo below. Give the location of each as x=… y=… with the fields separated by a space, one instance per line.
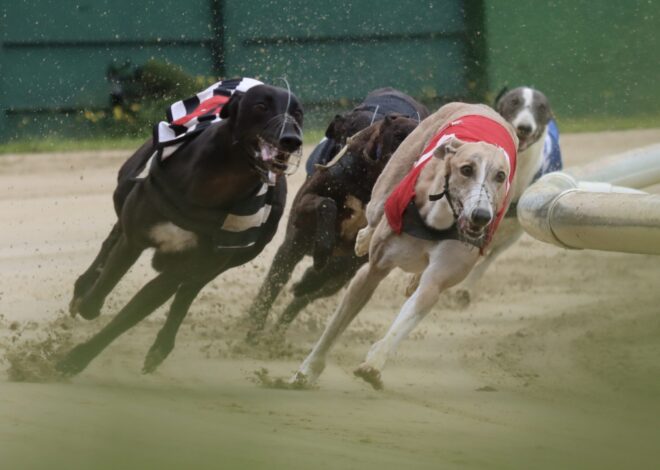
x=369 y=374
x=363 y=240
x=308 y=373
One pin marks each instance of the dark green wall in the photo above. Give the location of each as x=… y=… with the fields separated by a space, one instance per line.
x=54 y=54
x=343 y=49
x=590 y=57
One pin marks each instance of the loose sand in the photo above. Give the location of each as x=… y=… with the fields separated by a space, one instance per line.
x=555 y=364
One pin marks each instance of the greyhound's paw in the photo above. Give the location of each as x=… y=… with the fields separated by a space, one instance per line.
x=254 y=336
x=413 y=284
x=308 y=373
x=88 y=308
x=74 y=362
x=74 y=306
x=363 y=240
x=298 y=288
x=370 y=375
x=301 y=381
x=462 y=298
x=156 y=355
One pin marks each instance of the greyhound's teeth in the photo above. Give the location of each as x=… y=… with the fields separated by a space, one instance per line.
x=268 y=152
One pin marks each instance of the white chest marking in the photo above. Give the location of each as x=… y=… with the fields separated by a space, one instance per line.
x=172 y=238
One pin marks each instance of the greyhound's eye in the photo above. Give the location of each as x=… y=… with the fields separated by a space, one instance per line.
x=500 y=176
x=260 y=107
x=467 y=170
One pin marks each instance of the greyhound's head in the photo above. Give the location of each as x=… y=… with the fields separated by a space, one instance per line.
x=268 y=122
x=469 y=186
x=393 y=131
x=344 y=126
x=528 y=111
x=379 y=141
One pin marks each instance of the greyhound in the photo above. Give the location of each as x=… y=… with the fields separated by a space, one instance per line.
x=375 y=106
x=325 y=217
x=211 y=205
x=433 y=210
x=528 y=110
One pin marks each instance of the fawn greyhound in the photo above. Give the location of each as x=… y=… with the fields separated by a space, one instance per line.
x=433 y=210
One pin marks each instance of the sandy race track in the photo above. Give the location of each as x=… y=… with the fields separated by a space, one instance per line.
x=555 y=364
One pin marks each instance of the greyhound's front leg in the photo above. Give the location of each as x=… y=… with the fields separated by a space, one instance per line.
x=448 y=266
x=357 y=295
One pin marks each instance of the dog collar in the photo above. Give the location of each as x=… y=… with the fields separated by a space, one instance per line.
x=445 y=193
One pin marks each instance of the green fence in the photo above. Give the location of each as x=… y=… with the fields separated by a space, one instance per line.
x=55 y=53
x=590 y=57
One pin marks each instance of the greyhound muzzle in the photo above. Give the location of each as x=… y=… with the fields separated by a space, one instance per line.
x=473 y=225
x=279 y=147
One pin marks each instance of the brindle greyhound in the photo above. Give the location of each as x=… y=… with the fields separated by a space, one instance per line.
x=325 y=217
x=179 y=208
x=376 y=105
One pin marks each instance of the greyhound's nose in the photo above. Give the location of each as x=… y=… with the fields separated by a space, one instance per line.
x=290 y=141
x=480 y=217
x=524 y=129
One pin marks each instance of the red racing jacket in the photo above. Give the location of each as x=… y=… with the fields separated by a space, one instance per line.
x=469 y=128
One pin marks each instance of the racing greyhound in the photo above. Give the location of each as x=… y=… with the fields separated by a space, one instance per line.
x=433 y=210
x=211 y=205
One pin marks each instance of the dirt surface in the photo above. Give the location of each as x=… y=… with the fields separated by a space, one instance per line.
x=555 y=364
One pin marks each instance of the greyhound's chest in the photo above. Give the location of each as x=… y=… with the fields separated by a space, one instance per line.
x=241 y=225
x=408 y=253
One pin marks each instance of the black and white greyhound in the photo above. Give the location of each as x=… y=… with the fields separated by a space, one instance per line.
x=211 y=205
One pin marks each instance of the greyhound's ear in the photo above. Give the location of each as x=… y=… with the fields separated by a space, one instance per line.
x=499 y=96
x=334 y=130
x=373 y=147
x=447 y=148
x=230 y=108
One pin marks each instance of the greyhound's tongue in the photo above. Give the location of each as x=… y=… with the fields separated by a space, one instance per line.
x=268 y=152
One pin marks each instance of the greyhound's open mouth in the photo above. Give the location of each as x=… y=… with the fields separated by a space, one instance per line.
x=277 y=160
x=472 y=234
x=527 y=140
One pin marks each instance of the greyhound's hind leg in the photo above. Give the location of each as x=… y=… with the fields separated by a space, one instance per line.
x=164 y=343
x=149 y=298
x=318 y=284
x=287 y=257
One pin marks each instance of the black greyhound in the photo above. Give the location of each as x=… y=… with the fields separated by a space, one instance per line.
x=191 y=208
x=325 y=217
